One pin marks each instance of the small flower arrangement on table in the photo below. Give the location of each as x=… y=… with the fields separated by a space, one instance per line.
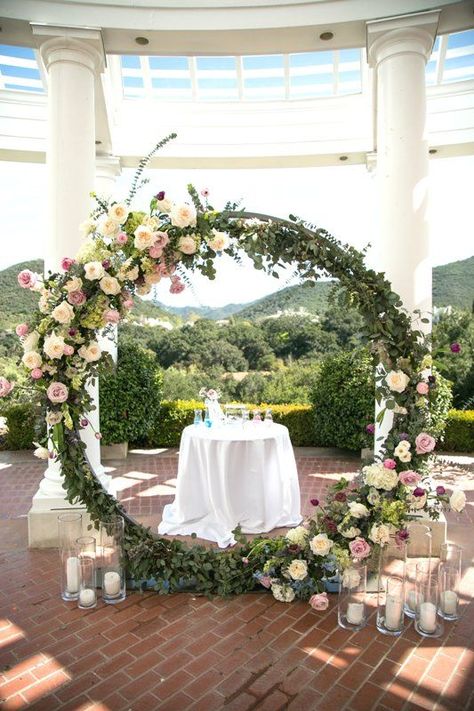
x=210 y=394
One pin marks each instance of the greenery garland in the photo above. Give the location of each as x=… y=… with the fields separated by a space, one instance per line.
x=127 y=252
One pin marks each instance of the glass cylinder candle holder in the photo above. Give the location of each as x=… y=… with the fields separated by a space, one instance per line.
x=351 y=611
x=419 y=546
x=451 y=554
x=390 y=607
x=427 y=622
x=113 y=572
x=69 y=530
x=87 y=572
x=448 y=604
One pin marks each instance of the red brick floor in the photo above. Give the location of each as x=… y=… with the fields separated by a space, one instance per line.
x=183 y=651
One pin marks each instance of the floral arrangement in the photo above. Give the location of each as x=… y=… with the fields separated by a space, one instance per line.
x=210 y=394
x=126 y=252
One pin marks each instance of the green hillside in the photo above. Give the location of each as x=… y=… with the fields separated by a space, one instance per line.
x=16 y=303
x=301 y=297
x=454 y=284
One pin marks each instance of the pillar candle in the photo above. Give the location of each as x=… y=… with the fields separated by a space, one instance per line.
x=428 y=617
x=449 y=601
x=87 y=597
x=393 y=612
x=72 y=574
x=411 y=600
x=355 y=613
x=112 y=583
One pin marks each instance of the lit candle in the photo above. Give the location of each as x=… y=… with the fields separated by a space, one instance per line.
x=72 y=575
x=355 y=613
x=449 y=602
x=87 y=597
x=393 y=612
x=112 y=583
x=428 y=617
x=411 y=600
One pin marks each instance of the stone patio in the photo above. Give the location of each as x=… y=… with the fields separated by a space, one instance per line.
x=184 y=651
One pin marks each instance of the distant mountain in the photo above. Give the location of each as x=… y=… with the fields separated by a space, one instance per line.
x=16 y=303
x=453 y=284
x=303 y=298
x=190 y=313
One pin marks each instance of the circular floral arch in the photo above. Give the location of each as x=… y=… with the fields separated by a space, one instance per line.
x=127 y=252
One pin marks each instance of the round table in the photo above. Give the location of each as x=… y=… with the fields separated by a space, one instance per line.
x=230 y=475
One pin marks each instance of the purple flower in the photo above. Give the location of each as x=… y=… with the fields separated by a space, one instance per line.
x=330 y=525
x=106 y=263
x=294 y=549
x=440 y=490
x=340 y=496
x=403 y=435
x=72 y=332
x=84 y=422
x=370 y=429
x=160 y=195
x=455 y=347
x=314 y=502
x=402 y=536
x=431 y=379
x=418 y=492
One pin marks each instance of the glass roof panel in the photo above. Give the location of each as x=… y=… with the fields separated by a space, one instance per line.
x=19 y=70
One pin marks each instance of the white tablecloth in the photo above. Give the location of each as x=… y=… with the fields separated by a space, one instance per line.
x=230 y=475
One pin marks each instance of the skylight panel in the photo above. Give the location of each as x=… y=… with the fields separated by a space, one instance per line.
x=459 y=59
x=19 y=70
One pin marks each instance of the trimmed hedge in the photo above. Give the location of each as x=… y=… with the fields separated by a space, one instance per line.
x=22 y=421
x=176 y=414
x=459 y=434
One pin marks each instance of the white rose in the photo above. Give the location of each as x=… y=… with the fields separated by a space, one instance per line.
x=74 y=284
x=87 y=227
x=402 y=451
x=31 y=360
x=457 y=500
x=350 y=578
x=350 y=532
x=41 y=452
x=53 y=346
x=187 y=244
x=417 y=502
x=91 y=352
x=63 y=312
x=397 y=380
x=109 y=285
x=297 y=536
x=219 y=241
x=373 y=497
x=108 y=227
x=183 y=215
x=405 y=456
x=164 y=205
x=298 y=569
x=94 y=271
x=380 y=533
x=144 y=237
x=118 y=212
x=400 y=410
x=320 y=544
x=30 y=342
x=358 y=510
x=53 y=418
x=132 y=274
x=283 y=593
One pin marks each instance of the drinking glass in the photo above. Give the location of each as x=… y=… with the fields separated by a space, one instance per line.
x=198 y=417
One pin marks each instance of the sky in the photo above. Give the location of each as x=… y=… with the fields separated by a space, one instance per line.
x=338 y=198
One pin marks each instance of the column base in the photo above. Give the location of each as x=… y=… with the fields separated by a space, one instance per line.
x=438 y=534
x=43 y=520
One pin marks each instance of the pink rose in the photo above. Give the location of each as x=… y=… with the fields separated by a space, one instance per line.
x=155 y=251
x=112 y=316
x=127 y=304
x=422 y=388
x=68 y=350
x=266 y=581
x=57 y=392
x=167 y=269
x=319 y=601
x=77 y=298
x=27 y=279
x=389 y=463
x=5 y=387
x=67 y=263
x=424 y=443
x=409 y=478
x=36 y=373
x=121 y=238
x=21 y=329
x=162 y=239
x=177 y=286
x=360 y=548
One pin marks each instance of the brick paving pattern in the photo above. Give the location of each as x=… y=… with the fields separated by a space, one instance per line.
x=180 y=652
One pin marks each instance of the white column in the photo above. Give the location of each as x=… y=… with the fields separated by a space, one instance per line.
x=398 y=49
x=73 y=60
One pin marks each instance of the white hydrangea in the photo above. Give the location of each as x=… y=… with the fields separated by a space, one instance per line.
x=283 y=593
x=378 y=476
x=297 y=536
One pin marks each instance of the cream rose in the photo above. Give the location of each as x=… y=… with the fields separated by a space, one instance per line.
x=183 y=215
x=219 y=241
x=53 y=418
x=350 y=578
x=350 y=532
x=74 y=284
x=380 y=533
x=30 y=342
x=32 y=360
x=151 y=279
x=358 y=510
x=297 y=536
x=63 y=313
x=144 y=237
x=40 y=452
x=457 y=500
x=86 y=227
x=321 y=544
x=53 y=346
x=164 y=205
x=118 y=213
x=108 y=227
x=90 y=353
x=109 y=285
x=187 y=244
x=402 y=451
x=397 y=380
x=298 y=569
x=94 y=271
